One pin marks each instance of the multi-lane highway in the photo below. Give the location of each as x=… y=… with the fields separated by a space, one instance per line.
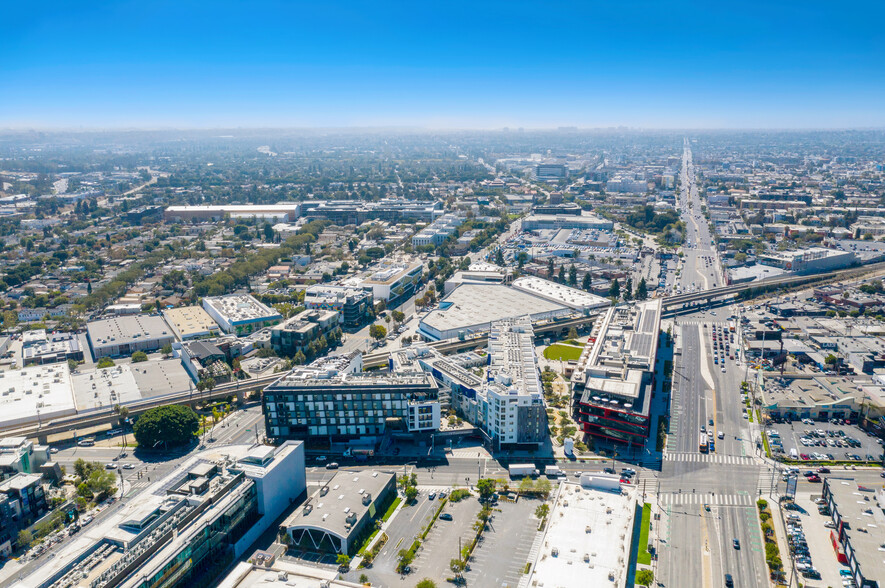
x=700 y=262
x=707 y=499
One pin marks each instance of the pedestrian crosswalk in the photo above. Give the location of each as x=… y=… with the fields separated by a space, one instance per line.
x=709 y=498
x=767 y=482
x=477 y=452
x=710 y=458
x=701 y=321
x=137 y=486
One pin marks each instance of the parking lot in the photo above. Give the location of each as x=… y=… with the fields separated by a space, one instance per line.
x=500 y=558
x=403 y=529
x=828 y=441
x=441 y=544
x=820 y=549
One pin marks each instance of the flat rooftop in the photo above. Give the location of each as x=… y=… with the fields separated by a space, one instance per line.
x=628 y=335
x=105 y=387
x=123 y=526
x=559 y=293
x=158 y=378
x=588 y=539
x=809 y=392
x=862 y=508
x=241 y=308
x=471 y=306
x=346 y=495
x=189 y=321
x=121 y=330
x=45 y=389
x=307 y=377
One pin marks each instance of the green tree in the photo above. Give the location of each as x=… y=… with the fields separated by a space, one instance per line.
x=377 y=332
x=831 y=359
x=641 y=290
x=499 y=257
x=83 y=468
x=573 y=275
x=645 y=577
x=542 y=511
x=105 y=362
x=426 y=583
x=526 y=485
x=139 y=356
x=166 y=349
x=457 y=565
x=411 y=493
x=98 y=484
x=543 y=487
x=485 y=487
x=170 y=425
x=628 y=289
x=550 y=269
x=586 y=284
x=343 y=561
x=364 y=579
x=614 y=291
x=573 y=333
x=10 y=319
x=398 y=315
x=24 y=538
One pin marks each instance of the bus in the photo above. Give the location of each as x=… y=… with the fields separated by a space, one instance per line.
x=731 y=326
x=704 y=443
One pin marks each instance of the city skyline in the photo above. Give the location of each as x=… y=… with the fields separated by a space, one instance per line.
x=192 y=65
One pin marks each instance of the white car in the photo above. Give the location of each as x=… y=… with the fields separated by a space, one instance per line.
x=110 y=466
x=128 y=466
x=721 y=435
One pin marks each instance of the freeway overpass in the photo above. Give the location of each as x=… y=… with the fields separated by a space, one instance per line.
x=675 y=303
x=106 y=416
x=672 y=305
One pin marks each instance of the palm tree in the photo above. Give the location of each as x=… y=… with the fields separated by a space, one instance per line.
x=123 y=413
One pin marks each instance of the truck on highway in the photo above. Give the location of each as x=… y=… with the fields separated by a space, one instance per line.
x=519 y=470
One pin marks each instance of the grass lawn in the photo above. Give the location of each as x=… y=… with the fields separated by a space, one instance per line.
x=563 y=352
x=391 y=508
x=644 y=557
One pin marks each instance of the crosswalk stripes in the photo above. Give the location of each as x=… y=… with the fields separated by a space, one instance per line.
x=137 y=486
x=767 y=480
x=710 y=458
x=688 y=498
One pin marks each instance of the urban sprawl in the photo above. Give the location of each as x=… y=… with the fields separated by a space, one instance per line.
x=512 y=358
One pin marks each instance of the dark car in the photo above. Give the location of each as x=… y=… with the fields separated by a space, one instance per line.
x=736 y=544
x=728 y=581
x=445 y=517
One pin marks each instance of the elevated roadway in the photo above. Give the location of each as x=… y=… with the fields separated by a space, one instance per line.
x=672 y=305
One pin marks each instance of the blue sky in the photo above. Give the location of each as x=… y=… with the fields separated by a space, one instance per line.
x=183 y=63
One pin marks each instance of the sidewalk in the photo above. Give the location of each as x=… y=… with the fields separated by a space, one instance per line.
x=780 y=530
